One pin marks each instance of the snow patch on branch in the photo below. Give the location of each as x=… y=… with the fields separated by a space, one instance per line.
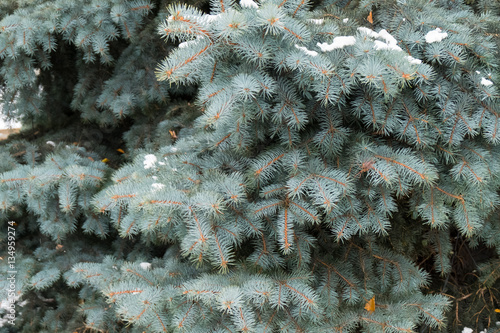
x=338 y=43
x=5 y=123
x=306 y=51
x=187 y=44
x=145 y=265
x=486 y=82
x=435 y=35
x=157 y=186
x=388 y=37
x=379 y=45
x=390 y=43
x=414 y=60
x=369 y=32
x=149 y=161
x=248 y=4
x=317 y=21
x=211 y=18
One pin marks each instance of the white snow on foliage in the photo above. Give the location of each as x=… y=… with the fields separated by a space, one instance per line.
x=6 y=124
x=149 y=161
x=369 y=32
x=345 y=20
x=211 y=18
x=6 y=305
x=388 y=37
x=145 y=265
x=306 y=51
x=389 y=43
x=157 y=186
x=338 y=43
x=470 y=330
x=414 y=60
x=435 y=36
x=248 y=4
x=379 y=45
x=317 y=21
x=486 y=82
x=187 y=44
x=51 y=143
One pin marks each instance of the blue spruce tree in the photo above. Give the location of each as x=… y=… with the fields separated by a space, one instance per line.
x=290 y=166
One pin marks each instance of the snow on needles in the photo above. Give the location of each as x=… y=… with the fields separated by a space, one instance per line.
x=145 y=265
x=248 y=4
x=317 y=21
x=389 y=43
x=149 y=161
x=486 y=82
x=157 y=186
x=413 y=60
x=338 y=43
x=306 y=51
x=435 y=35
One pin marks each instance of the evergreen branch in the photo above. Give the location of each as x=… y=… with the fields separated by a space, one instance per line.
x=224 y=262
x=131 y=291
x=285 y=233
x=466 y=164
x=458 y=197
x=180 y=325
x=13 y=180
x=202 y=238
x=162 y=202
x=395 y=263
x=259 y=171
x=117 y=197
x=391 y=160
x=139 y=275
x=384 y=325
x=329 y=178
x=331 y=267
x=481 y=157
x=419 y=306
x=314 y=217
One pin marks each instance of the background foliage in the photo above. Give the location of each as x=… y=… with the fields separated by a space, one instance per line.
x=262 y=177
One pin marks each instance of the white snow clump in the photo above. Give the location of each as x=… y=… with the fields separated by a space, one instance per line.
x=157 y=186
x=338 y=43
x=390 y=43
x=369 y=32
x=145 y=265
x=486 y=82
x=186 y=44
x=413 y=60
x=149 y=161
x=435 y=36
x=306 y=51
x=248 y=4
x=51 y=143
x=317 y=21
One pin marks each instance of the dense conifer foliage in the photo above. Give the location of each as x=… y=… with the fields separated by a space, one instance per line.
x=272 y=166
